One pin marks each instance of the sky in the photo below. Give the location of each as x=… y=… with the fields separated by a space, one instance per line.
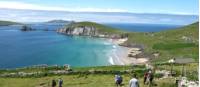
x=135 y=6
x=183 y=8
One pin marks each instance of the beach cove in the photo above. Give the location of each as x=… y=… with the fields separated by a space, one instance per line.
x=51 y=48
x=39 y=47
x=121 y=54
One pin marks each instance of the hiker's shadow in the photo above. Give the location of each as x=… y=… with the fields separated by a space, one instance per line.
x=121 y=85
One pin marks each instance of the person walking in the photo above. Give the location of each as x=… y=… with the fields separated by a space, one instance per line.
x=151 y=77
x=53 y=83
x=145 y=77
x=60 y=82
x=118 y=80
x=134 y=82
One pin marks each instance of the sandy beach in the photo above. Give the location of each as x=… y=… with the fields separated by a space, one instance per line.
x=125 y=55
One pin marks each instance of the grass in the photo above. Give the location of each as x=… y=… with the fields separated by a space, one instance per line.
x=172 y=46
x=191 y=69
x=77 y=81
x=106 y=68
x=97 y=68
x=95 y=79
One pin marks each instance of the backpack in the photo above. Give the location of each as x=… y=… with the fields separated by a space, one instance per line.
x=119 y=78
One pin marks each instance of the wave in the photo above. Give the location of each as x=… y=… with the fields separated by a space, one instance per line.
x=111 y=60
x=116 y=55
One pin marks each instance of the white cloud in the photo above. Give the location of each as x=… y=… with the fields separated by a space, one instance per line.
x=22 y=5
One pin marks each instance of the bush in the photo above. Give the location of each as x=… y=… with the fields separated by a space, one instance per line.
x=158 y=75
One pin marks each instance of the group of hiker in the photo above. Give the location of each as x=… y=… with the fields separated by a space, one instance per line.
x=148 y=79
x=60 y=83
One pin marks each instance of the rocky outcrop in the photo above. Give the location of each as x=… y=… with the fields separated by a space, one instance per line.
x=26 y=28
x=79 y=30
x=91 y=29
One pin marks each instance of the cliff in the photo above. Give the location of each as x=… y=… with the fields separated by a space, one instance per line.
x=91 y=29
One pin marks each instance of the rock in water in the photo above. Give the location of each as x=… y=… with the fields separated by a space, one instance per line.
x=26 y=28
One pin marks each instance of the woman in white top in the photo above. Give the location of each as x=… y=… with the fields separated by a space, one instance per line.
x=134 y=82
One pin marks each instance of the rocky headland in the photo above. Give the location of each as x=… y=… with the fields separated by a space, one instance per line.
x=91 y=29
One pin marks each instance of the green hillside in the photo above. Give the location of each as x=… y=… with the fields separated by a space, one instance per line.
x=102 y=76
x=175 y=43
x=6 y=23
x=100 y=27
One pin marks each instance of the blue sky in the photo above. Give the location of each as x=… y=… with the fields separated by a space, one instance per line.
x=179 y=12
x=134 y=6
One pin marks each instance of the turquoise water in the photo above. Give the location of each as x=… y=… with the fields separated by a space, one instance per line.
x=20 y=49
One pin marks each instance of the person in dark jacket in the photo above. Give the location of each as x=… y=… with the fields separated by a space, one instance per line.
x=118 y=80
x=60 y=82
x=53 y=83
x=145 y=77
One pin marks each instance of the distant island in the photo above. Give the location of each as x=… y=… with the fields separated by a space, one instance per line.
x=7 y=23
x=58 y=21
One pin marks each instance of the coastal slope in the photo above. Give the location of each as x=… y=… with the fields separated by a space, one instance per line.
x=175 y=43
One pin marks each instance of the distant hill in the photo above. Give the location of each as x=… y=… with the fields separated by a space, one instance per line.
x=6 y=23
x=191 y=31
x=58 y=21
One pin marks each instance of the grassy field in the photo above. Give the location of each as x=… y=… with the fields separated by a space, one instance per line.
x=192 y=70
x=77 y=81
x=93 y=79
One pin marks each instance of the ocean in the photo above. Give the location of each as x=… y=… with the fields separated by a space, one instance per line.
x=134 y=27
x=20 y=49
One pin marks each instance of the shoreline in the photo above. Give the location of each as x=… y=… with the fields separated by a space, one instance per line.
x=120 y=54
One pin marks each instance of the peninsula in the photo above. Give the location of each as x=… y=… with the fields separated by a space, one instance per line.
x=157 y=47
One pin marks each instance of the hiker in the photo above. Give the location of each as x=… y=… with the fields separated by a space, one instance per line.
x=134 y=81
x=150 y=77
x=53 y=83
x=60 y=82
x=118 y=80
x=145 y=77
